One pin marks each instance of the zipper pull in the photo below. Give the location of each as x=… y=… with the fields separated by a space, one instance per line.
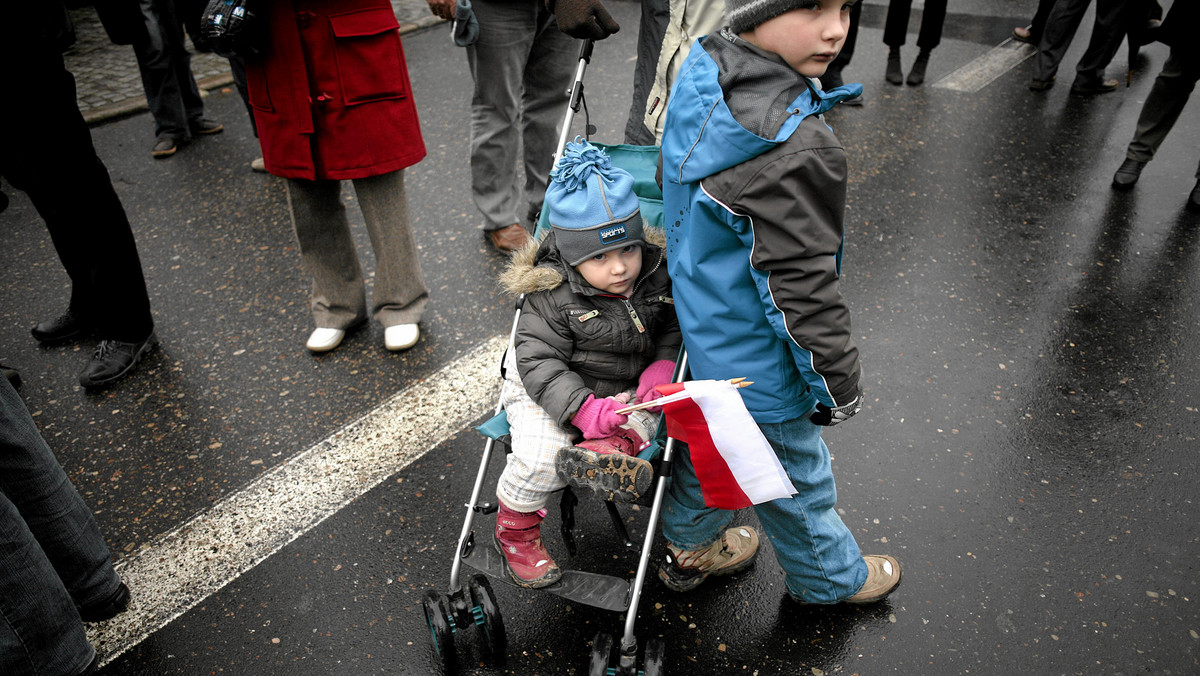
x=637 y=321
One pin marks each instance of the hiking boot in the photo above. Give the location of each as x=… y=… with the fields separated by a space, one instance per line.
x=734 y=552
x=518 y=538
x=883 y=576
x=115 y=604
x=609 y=466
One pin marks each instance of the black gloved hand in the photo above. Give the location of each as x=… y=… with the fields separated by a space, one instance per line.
x=829 y=417
x=583 y=19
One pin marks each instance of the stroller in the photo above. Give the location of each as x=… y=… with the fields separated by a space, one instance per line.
x=474 y=604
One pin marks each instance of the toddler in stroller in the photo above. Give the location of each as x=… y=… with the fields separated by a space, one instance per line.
x=597 y=332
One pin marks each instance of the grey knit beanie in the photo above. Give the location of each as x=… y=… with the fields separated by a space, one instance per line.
x=743 y=15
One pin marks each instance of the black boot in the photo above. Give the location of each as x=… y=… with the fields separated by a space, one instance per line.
x=916 y=76
x=1193 y=203
x=893 y=74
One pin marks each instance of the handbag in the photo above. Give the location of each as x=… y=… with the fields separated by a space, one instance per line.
x=235 y=28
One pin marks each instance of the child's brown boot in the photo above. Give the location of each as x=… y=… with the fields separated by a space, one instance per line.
x=735 y=551
x=519 y=538
x=607 y=466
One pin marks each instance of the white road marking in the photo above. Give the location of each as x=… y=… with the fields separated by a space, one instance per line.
x=983 y=71
x=181 y=568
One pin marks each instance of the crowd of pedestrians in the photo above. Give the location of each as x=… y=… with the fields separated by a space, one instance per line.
x=327 y=110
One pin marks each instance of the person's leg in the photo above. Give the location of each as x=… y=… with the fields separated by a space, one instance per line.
x=548 y=73
x=651 y=30
x=687 y=523
x=1038 y=25
x=933 y=18
x=1167 y=99
x=72 y=191
x=52 y=555
x=497 y=63
x=237 y=68
x=399 y=295
x=171 y=25
x=323 y=233
x=1108 y=30
x=40 y=631
x=525 y=485
x=1060 y=29
x=819 y=556
x=895 y=26
x=160 y=81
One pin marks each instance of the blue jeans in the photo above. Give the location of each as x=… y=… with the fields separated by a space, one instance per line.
x=52 y=555
x=819 y=556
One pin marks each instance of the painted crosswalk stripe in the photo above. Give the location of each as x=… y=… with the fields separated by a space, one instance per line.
x=181 y=568
x=984 y=70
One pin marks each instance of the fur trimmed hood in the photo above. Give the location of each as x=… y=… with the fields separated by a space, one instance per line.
x=537 y=266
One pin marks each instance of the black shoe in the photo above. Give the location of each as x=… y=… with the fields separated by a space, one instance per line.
x=916 y=76
x=108 y=609
x=1193 y=203
x=1127 y=174
x=92 y=666
x=205 y=126
x=65 y=326
x=113 y=360
x=892 y=73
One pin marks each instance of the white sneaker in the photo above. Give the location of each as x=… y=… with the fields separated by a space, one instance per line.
x=401 y=337
x=258 y=165
x=324 y=340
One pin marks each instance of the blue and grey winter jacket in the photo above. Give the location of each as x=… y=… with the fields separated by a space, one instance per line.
x=754 y=189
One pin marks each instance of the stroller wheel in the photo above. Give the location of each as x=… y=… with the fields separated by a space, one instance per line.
x=441 y=629
x=489 y=625
x=655 y=649
x=601 y=652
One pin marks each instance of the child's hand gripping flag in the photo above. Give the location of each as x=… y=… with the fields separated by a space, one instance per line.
x=733 y=461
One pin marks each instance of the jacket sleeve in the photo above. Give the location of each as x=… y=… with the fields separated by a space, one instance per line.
x=544 y=345
x=795 y=205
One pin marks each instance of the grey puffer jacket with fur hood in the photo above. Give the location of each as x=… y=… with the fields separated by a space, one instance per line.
x=573 y=340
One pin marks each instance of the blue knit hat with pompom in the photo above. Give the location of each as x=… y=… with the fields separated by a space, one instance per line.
x=592 y=206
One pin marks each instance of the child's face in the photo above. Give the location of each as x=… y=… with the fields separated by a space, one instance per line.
x=808 y=37
x=615 y=271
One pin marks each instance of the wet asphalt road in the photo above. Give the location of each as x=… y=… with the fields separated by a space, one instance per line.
x=1027 y=451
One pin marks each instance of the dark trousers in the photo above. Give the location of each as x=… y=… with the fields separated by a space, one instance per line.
x=166 y=68
x=46 y=150
x=1163 y=106
x=1064 y=20
x=895 y=28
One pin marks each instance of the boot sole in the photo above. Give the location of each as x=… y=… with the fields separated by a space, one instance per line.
x=612 y=476
x=685 y=584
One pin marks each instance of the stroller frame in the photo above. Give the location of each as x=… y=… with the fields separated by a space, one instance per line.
x=475 y=603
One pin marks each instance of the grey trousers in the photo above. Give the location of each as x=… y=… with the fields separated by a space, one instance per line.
x=522 y=66
x=1061 y=25
x=166 y=70
x=1166 y=101
x=339 y=297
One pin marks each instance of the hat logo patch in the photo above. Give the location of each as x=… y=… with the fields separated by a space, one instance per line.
x=614 y=234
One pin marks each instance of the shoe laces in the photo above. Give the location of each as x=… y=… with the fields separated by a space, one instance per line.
x=104 y=349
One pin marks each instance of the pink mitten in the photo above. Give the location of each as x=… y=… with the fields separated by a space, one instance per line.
x=658 y=373
x=597 y=418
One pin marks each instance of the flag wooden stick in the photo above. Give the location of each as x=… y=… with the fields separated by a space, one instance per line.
x=678 y=396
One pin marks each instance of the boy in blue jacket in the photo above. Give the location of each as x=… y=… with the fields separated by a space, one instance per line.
x=754 y=187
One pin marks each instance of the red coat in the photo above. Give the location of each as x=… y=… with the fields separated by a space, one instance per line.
x=331 y=98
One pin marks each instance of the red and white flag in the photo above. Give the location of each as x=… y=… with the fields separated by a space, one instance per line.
x=735 y=465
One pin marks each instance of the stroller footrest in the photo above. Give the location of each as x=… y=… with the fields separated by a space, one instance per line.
x=592 y=589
